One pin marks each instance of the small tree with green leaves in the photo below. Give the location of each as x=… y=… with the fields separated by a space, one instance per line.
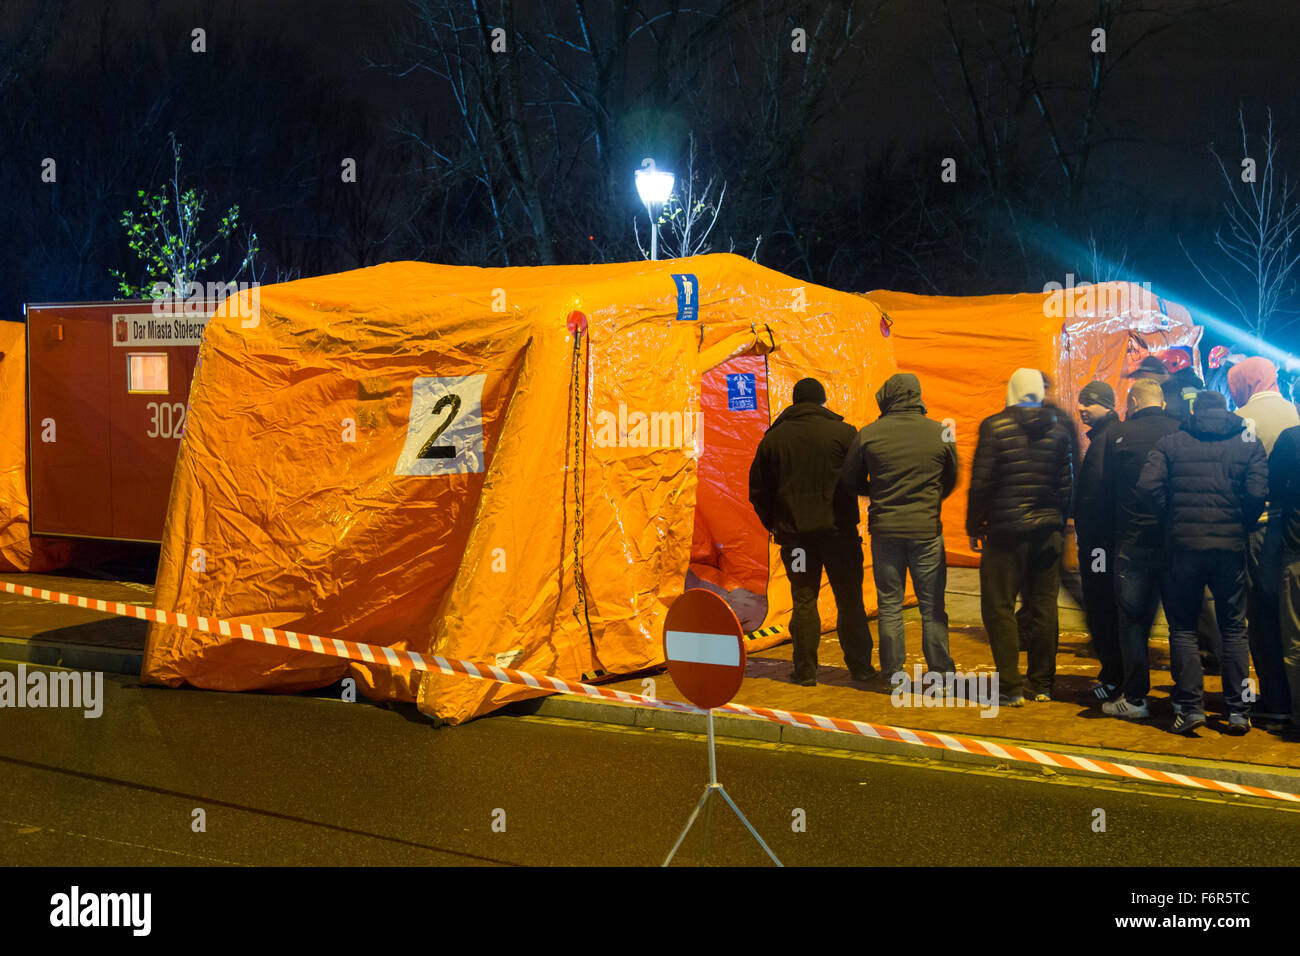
x=164 y=233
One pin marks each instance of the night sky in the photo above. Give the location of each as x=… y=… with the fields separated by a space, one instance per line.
x=850 y=198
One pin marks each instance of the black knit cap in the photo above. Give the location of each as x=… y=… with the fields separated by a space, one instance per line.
x=1098 y=393
x=1205 y=401
x=809 y=390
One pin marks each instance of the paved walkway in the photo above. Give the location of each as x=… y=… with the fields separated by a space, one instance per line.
x=52 y=633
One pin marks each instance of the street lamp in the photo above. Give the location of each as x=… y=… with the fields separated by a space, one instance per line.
x=654 y=186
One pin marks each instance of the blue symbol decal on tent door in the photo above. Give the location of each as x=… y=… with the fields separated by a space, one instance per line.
x=688 y=297
x=740 y=392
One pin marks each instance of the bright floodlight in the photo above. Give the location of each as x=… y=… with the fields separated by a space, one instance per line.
x=653 y=185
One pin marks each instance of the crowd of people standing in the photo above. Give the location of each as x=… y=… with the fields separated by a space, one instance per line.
x=1180 y=502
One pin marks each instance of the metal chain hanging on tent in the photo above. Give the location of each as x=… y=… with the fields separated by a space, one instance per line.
x=577 y=325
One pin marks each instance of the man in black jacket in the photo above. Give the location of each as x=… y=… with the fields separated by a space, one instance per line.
x=1020 y=489
x=1284 y=495
x=1209 y=481
x=795 y=487
x=1095 y=532
x=1139 y=542
x=906 y=464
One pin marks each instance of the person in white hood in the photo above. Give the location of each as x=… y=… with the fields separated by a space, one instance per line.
x=1019 y=498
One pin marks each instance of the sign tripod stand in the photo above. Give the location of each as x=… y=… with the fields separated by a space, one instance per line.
x=704 y=647
x=711 y=788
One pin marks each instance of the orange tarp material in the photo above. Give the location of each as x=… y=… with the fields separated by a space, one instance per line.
x=734 y=558
x=409 y=455
x=18 y=550
x=964 y=349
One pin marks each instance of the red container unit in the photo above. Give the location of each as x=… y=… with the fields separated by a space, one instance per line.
x=107 y=389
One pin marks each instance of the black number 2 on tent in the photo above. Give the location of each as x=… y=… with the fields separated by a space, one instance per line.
x=428 y=449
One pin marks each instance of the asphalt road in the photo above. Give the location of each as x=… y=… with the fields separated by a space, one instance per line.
x=308 y=781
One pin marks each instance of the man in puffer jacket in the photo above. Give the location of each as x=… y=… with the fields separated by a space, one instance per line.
x=1020 y=488
x=1180 y=384
x=1253 y=384
x=1209 y=481
x=906 y=464
x=796 y=489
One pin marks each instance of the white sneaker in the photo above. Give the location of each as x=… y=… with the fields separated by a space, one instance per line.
x=1120 y=707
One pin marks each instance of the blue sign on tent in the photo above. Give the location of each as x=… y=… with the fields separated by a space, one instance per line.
x=688 y=297
x=741 y=396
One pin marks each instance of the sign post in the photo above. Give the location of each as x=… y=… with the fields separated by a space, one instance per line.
x=705 y=650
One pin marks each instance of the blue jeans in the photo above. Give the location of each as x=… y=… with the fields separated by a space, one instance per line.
x=1137 y=593
x=1185 y=579
x=891 y=559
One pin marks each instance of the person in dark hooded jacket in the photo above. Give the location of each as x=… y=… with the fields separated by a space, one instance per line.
x=1019 y=499
x=906 y=464
x=1139 y=541
x=796 y=489
x=1209 y=482
x=1094 y=527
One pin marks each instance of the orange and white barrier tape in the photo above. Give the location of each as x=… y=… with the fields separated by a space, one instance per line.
x=377 y=654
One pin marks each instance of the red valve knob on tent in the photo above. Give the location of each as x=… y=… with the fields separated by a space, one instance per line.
x=577 y=321
x=886 y=323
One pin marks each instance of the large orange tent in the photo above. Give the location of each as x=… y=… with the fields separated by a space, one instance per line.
x=422 y=456
x=19 y=551
x=964 y=349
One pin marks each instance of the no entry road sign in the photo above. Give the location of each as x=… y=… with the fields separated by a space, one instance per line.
x=704 y=647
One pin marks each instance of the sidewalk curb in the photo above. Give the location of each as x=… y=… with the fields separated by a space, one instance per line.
x=568 y=707
x=564 y=706
x=87 y=657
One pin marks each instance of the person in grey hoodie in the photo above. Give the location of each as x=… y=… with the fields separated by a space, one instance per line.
x=906 y=464
x=1267 y=413
x=1208 y=481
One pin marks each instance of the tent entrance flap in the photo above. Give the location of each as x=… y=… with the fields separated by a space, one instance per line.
x=729 y=546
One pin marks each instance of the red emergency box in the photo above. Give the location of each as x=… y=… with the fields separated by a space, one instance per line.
x=108 y=384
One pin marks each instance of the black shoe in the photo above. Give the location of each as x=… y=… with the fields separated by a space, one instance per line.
x=1269 y=720
x=803 y=681
x=865 y=674
x=1290 y=733
x=1105 y=692
x=1238 y=724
